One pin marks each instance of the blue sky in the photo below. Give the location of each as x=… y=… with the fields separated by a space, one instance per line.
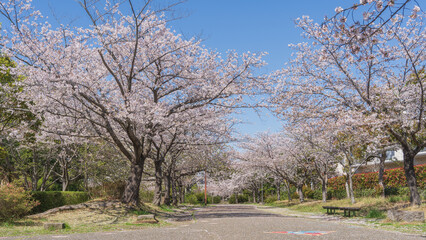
x=243 y=25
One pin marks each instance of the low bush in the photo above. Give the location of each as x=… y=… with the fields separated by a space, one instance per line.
x=392 y=178
x=241 y=199
x=389 y=191
x=198 y=198
x=217 y=199
x=374 y=213
x=336 y=194
x=49 y=200
x=365 y=193
x=295 y=195
x=191 y=199
x=108 y=190
x=423 y=194
x=394 y=199
x=317 y=194
x=271 y=199
x=15 y=202
x=146 y=195
x=308 y=192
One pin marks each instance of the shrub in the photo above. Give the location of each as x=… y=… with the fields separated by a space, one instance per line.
x=391 y=191
x=200 y=197
x=392 y=178
x=294 y=195
x=108 y=190
x=317 y=194
x=241 y=199
x=394 y=199
x=217 y=199
x=423 y=194
x=365 y=193
x=191 y=198
x=271 y=199
x=404 y=191
x=374 y=213
x=336 y=194
x=308 y=192
x=146 y=196
x=15 y=202
x=49 y=200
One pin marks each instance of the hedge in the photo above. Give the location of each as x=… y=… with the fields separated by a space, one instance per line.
x=392 y=178
x=53 y=199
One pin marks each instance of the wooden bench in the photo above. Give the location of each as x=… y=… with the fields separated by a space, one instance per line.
x=346 y=210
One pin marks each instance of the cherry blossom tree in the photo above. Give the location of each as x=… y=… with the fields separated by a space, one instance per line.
x=370 y=81
x=319 y=139
x=281 y=156
x=124 y=78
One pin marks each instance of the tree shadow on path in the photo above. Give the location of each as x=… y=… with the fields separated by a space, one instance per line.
x=231 y=211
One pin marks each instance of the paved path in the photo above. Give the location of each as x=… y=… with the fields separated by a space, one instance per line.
x=244 y=222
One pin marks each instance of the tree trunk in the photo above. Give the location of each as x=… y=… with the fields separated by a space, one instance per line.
x=299 y=190
x=351 y=189
x=174 y=192
x=65 y=178
x=324 y=188
x=382 y=171
x=254 y=196
x=167 y=188
x=348 y=194
x=410 y=175
x=131 y=191
x=288 y=190
x=236 y=198
x=182 y=192
x=158 y=183
x=278 y=191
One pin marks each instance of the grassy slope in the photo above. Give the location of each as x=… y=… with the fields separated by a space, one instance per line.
x=83 y=220
x=367 y=205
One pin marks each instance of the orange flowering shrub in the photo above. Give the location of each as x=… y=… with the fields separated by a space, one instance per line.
x=15 y=202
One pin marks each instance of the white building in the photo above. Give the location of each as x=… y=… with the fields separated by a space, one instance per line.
x=394 y=159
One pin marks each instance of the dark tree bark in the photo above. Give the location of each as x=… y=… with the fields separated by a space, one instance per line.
x=174 y=191
x=131 y=191
x=158 y=183
x=410 y=175
x=167 y=188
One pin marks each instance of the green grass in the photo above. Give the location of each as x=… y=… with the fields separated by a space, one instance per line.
x=374 y=213
x=16 y=229
x=79 y=221
x=166 y=208
x=414 y=228
x=368 y=205
x=141 y=212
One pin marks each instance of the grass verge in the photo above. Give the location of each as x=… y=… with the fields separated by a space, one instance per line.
x=81 y=221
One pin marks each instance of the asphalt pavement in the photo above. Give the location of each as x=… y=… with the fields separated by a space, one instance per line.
x=245 y=222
